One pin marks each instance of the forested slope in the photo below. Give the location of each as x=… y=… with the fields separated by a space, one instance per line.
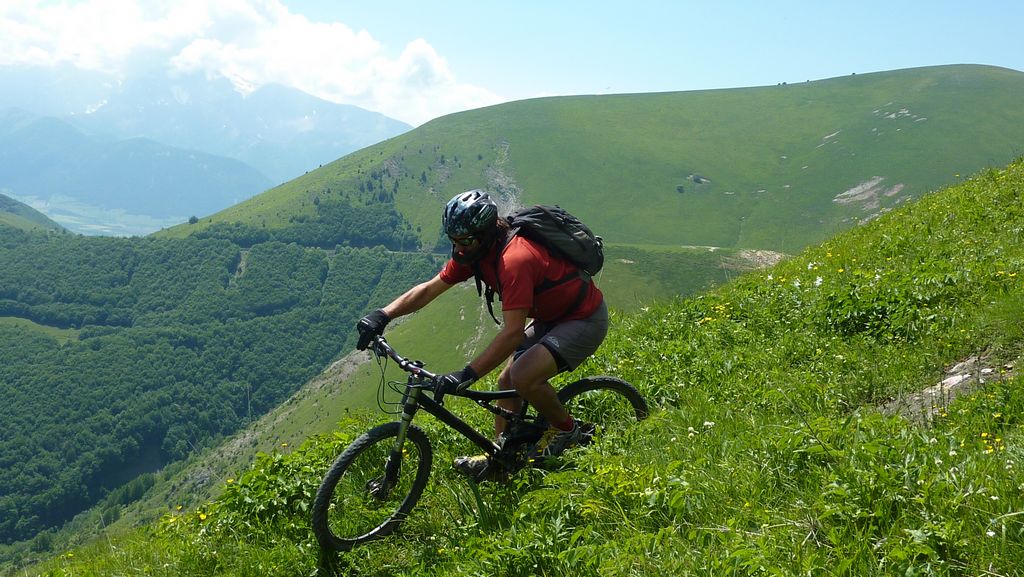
x=123 y=355
x=118 y=356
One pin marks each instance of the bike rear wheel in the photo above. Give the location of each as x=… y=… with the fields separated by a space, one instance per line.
x=360 y=499
x=607 y=403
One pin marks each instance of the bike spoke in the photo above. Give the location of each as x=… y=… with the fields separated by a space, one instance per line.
x=364 y=498
x=603 y=405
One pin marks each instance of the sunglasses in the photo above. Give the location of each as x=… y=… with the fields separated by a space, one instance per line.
x=463 y=241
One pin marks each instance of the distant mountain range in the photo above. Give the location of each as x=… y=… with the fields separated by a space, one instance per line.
x=120 y=187
x=281 y=131
x=134 y=156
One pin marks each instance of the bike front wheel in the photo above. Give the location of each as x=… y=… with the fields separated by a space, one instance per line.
x=603 y=404
x=365 y=495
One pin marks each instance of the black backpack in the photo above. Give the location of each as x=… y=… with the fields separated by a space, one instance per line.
x=565 y=237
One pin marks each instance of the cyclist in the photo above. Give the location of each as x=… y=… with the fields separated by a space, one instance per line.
x=569 y=318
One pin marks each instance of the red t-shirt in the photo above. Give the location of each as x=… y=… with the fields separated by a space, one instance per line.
x=523 y=266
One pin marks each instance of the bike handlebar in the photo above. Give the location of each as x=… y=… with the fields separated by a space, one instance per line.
x=379 y=345
x=381 y=348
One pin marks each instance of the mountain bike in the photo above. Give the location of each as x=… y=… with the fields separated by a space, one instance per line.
x=372 y=486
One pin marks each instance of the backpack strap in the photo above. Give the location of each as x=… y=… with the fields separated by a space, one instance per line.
x=488 y=294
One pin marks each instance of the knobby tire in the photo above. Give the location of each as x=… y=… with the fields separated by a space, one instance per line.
x=606 y=402
x=346 y=511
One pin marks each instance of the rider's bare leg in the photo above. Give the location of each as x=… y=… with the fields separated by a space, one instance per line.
x=513 y=405
x=529 y=376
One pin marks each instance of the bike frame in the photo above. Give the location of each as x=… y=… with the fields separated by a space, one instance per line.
x=420 y=381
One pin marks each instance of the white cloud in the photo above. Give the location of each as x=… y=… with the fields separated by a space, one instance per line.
x=251 y=42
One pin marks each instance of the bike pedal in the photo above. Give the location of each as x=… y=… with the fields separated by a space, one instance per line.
x=589 y=431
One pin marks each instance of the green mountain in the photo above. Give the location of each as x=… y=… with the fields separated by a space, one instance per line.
x=800 y=427
x=774 y=168
x=19 y=215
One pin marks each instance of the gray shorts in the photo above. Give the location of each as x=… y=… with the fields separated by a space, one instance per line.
x=570 y=342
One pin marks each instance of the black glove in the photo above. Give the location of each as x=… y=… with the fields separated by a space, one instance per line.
x=371 y=326
x=457 y=381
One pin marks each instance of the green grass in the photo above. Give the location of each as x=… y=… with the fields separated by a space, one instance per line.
x=22 y=222
x=766 y=453
x=60 y=335
x=457 y=326
x=18 y=222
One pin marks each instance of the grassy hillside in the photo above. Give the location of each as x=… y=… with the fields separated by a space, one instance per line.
x=457 y=327
x=770 y=451
x=21 y=216
x=448 y=332
x=134 y=331
x=772 y=168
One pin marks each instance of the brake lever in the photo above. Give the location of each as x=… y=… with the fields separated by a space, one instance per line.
x=438 y=392
x=378 y=347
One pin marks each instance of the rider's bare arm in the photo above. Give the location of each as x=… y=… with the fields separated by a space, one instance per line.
x=417 y=297
x=504 y=343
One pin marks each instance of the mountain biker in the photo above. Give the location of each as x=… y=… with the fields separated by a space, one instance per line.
x=569 y=319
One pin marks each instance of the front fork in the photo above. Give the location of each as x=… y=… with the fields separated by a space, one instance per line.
x=394 y=463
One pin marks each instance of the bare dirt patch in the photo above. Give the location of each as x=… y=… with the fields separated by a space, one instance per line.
x=963 y=378
x=752 y=259
x=756 y=259
x=865 y=191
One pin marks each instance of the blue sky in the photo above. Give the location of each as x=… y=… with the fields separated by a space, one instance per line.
x=524 y=48
x=418 y=60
